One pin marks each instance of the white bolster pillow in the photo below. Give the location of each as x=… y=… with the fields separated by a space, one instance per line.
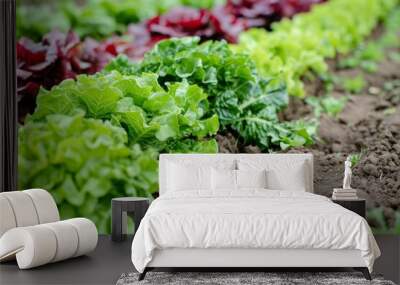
x=26 y=208
x=40 y=244
x=7 y=218
x=23 y=209
x=45 y=205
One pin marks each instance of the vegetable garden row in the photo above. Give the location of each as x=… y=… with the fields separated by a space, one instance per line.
x=61 y=55
x=95 y=115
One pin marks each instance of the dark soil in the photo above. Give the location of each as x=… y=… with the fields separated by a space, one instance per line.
x=369 y=124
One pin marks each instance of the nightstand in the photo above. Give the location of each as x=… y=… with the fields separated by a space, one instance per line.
x=135 y=207
x=358 y=206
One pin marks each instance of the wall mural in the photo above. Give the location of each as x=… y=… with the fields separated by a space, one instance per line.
x=104 y=86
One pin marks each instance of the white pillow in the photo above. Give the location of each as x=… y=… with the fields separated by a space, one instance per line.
x=224 y=179
x=287 y=174
x=227 y=179
x=251 y=178
x=183 y=177
x=291 y=179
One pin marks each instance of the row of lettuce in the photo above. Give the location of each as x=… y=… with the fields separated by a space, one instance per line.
x=95 y=18
x=101 y=18
x=99 y=136
x=298 y=48
x=44 y=60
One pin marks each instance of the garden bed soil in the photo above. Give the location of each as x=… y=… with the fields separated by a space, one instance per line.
x=369 y=124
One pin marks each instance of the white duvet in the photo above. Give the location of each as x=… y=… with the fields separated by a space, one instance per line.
x=250 y=219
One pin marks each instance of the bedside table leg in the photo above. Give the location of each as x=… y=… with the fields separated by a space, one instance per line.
x=119 y=220
x=138 y=215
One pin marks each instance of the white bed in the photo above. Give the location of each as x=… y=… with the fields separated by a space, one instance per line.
x=249 y=227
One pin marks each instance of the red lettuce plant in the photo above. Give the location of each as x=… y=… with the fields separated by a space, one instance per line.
x=289 y=8
x=223 y=22
x=101 y=53
x=55 y=58
x=261 y=13
x=185 y=21
x=58 y=57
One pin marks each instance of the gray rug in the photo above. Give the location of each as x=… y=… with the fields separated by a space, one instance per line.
x=243 y=278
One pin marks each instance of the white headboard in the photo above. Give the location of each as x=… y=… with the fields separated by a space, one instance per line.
x=222 y=158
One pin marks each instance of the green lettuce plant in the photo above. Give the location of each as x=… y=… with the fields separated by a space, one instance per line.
x=368 y=55
x=150 y=114
x=84 y=163
x=245 y=102
x=327 y=104
x=99 y=137
x=355 y=84
x=298 y=47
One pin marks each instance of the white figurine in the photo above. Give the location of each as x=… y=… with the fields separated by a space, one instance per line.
x=347 y=174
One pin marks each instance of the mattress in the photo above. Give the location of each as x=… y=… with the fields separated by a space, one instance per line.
x=250 y=219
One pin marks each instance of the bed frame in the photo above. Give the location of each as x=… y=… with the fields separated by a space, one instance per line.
x=246 y=259
x=249 y=259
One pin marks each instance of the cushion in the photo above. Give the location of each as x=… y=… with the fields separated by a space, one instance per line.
x=26 y=208
x=217 y=161
x=87 y=235
x=66 y=237
x=231 y=180
x=291 y=180
x=40 y=244
x=30 y=230
x=45 y=205
x=224 y=179
x=183 y=177
x=251 y=178
x=7 y=220
x=290 y=175
x=23 y=208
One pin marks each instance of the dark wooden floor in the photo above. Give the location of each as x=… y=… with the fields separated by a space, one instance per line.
x=110 y=260
x=103 y=266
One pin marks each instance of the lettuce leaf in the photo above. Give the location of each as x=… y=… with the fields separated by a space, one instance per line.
x=84 y=163
x=236 y=92
x=99 y=137
x=149 y=114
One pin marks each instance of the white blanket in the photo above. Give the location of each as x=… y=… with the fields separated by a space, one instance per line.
x=250 y=219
